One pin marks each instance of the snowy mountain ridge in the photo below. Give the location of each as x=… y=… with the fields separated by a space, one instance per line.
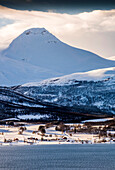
x=94 y=75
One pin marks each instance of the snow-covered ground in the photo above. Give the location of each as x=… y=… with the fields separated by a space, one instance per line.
x=10 y=132
x=13 y=72
x=25 y=117
x=98 y=120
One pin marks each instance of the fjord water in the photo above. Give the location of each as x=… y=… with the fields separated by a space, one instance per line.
x=54 y=157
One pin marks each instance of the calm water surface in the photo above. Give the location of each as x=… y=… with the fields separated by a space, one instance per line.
x=54 y=157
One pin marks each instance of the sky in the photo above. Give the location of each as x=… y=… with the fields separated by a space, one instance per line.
x=88 y=25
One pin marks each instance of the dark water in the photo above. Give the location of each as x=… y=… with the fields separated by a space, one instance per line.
x=54 y=157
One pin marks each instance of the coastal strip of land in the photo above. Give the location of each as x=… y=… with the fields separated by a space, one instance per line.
x=28 y=133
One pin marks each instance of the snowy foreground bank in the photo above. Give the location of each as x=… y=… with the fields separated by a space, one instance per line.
x=37 y=134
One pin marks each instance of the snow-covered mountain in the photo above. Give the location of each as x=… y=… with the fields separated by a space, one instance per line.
x=87 y=90
x=36 y=49
x=67 y=98
x=76 y=91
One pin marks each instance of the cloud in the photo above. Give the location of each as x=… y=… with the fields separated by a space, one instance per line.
x=111 y=58
x=94 y=31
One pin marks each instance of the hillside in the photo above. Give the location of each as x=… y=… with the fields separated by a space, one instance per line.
x=85 y=95
x=13 y=72
x=67 y=98
x=94 y=75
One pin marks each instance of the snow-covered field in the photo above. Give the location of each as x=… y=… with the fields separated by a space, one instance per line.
x=32 y=136
x=12 y=132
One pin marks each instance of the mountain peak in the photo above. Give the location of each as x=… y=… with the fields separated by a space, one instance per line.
x=38 y=34
x=36 y=31
x=32 y=38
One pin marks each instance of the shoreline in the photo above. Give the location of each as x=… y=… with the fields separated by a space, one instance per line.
x=56 y=134
x=51 y=144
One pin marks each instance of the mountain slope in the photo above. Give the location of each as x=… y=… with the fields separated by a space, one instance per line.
x=40 y=48
x=68 y=98
x=94 y=75
x=13 y=72
x=13 y=104
x=85 y=96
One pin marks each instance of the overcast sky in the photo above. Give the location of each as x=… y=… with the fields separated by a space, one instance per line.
x=82 y=27
x=68 y=6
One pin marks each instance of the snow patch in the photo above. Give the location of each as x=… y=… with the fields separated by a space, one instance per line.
x=25 y=117
x=98 y=120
